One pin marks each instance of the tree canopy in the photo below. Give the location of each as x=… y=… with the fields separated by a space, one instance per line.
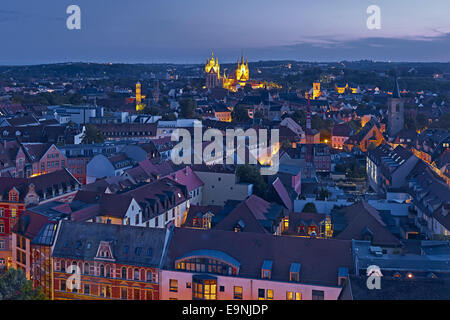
x=93 y=135
x=239 y=114
x=250 y=174
x=310 y=207
x=15 y=286
x=187 y=108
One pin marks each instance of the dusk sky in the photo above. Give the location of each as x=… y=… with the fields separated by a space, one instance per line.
x=185 y=31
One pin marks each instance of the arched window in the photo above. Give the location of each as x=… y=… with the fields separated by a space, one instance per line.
x=124 y=273
x=86 y=268
x=136 y=274
x=149 y=276
x=209 y=262
x=102 y=270
x=108 y=271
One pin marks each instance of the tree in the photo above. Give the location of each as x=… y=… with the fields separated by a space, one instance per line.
x=239 y=114
x=443 y=123
x=15 y=286
x=310 y=207
x=299 y=116
x=286 y=145
x=92 y=135
x=250 y=174
x=355 y=125
x=323 y=194
x=421 y=121
x=187 y=108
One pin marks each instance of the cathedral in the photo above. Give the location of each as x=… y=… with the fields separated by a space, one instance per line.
x=238 y=79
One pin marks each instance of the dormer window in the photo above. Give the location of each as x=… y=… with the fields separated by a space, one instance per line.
x=239 y=227
x=266 y=269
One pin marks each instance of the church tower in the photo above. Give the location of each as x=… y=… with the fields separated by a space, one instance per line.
x=316 y=90
x=139 y=97
x=396 y=112
x=212 y=71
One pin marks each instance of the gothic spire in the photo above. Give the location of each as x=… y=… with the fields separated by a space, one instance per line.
x=396 y=91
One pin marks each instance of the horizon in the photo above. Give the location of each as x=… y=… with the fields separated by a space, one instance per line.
x=222 y=63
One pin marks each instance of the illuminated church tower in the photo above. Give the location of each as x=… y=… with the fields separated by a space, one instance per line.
x=316 y=90
x=139 y=105
x=212 y=70
x=242 y=72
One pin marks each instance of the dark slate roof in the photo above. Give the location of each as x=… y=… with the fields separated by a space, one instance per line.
x=397 y=289
x=320 y=259
x=42 y=183
x=74 y=237
x=351 y=223
x=342 y=130
x=256 y=214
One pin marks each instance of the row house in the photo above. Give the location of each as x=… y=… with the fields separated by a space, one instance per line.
x=13 y=161
x=388 y=167
x=254 y=214
x=225 y=265
x=431 y=143
x=114 y=262
x=154 y=204
x=18 y=193
x=317 y=154
x=32 y=239
x=44 y=158
x=106 y=261
x=128 y=131
x=430 y=200
x=146 y=171
x=340 y=134
x=79 y=155
x=307 y=224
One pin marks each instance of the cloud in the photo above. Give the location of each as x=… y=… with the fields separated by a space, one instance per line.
x=426 y=48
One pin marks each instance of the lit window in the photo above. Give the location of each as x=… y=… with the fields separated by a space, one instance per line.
x=173 y=285
x=289 y=295
x=237 y=293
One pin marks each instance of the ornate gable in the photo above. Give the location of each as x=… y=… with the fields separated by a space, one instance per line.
x=104 y=251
